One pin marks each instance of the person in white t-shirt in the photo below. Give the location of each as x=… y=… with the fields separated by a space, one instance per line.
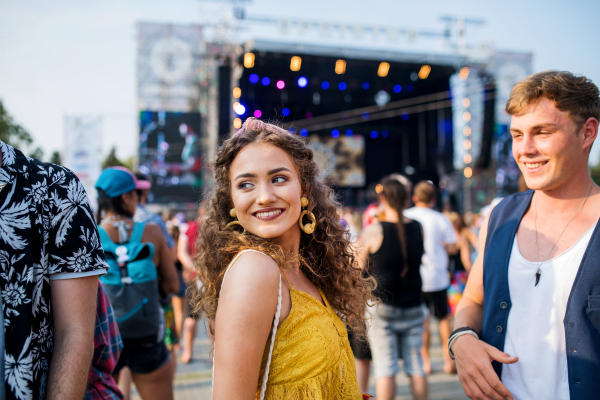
x=440 y=242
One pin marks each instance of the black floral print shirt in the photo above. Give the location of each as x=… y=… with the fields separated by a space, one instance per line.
x=47 y=231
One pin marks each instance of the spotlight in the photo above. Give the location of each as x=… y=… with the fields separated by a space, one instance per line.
x=342 y=86
x=237 y=92
x=365 y=85
x=237 y=123
x=295 y=63
x=258 y=113
x=302 y=81
x=309 y=115
x=383 y=70
x=409 y=88
x=467 y=131
x=349 y=132
x=414 y=76
x=424 y=72
x=285 y=112
x=249 y=60
x=340 y=67
x=280 y=84
x=253 y=78
x=463 y=74
x=365 y=115
x=325 y=85
x=234 y=105
x=378 y=188
x=384 y=134
x=466 y=116
x=397 y=88
x=239 y=109
x=467 y=144
x=405 y=117
x=466 y=102
x=468 y=172
x=468 y=158
x=265 y=81
x=374 y=134
x=303 y=132
x=335 y=133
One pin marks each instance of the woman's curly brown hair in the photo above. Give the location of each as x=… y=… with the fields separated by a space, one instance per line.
x=326 y=256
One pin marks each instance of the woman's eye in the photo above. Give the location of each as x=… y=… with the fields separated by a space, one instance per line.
x=279 y=179
x=244 y=185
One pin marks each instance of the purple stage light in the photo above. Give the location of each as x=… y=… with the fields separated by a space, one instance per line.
x=280 y=84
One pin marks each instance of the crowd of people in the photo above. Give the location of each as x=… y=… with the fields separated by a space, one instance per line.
x=301 y=297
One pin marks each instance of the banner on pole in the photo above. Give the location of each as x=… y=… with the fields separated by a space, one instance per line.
x=82 y=151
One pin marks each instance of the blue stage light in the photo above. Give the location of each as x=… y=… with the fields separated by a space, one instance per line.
x=405 y=116
x=302 y=81
x=285 y=112
x=342 y=86
x=253 y=78
x=292 y=130
x=374 y=134
x=303 y=132
x=365 y=115
x=366 y=85
x=335 y=133
x=325 y=85
x=409 y=87
x=349 y=132
x=397 y=88
x=384 y=134
x=265 y=81
x=240 y=109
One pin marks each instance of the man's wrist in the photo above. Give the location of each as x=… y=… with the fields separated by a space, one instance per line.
x=465 y=330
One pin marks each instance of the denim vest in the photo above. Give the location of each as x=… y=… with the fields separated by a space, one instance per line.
x=582 y=318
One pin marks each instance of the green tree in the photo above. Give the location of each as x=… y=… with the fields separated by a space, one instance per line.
x=11 y=133
x=37 y=153
x=595 y=172
x=55 y=158
x=112 y=160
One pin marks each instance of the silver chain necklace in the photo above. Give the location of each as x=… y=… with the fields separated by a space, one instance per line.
x=538 y=274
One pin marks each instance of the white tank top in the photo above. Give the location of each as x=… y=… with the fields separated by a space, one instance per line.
x=535 y=331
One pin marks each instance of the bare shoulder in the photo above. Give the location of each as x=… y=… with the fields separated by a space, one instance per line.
x=152 y=232
x=252 y=271
x=372 y=230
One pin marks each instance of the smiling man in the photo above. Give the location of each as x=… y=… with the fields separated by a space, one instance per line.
x=529 y=321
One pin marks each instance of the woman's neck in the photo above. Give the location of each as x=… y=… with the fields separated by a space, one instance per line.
x=390 y=215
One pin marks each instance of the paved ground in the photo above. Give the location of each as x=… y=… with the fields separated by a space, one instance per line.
x=193 y=381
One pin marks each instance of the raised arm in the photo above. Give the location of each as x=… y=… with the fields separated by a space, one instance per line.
x=74 y=311
x=473 y=356
x=247 y=306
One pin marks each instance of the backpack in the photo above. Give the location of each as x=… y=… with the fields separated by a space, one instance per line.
x=132 y=286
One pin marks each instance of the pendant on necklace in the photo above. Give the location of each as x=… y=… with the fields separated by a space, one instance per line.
x=538 y=275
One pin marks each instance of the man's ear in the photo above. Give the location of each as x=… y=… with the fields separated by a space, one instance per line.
x=590 y=132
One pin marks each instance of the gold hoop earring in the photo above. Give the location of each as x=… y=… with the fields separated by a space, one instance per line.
x=308 y=228
x=233 y=213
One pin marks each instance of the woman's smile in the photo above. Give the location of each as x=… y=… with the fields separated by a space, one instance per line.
x=268 y=214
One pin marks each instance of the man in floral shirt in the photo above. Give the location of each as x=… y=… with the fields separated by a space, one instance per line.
x=50 y=259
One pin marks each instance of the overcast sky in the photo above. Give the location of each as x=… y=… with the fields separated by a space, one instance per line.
x=77 y=57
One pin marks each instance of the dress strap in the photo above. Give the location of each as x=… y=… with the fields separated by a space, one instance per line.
x=275 y=324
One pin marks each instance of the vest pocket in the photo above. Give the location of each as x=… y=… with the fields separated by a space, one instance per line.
x=593 y=302
x=593 y=310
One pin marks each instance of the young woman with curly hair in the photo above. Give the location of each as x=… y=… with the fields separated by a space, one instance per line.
x=278 y=273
